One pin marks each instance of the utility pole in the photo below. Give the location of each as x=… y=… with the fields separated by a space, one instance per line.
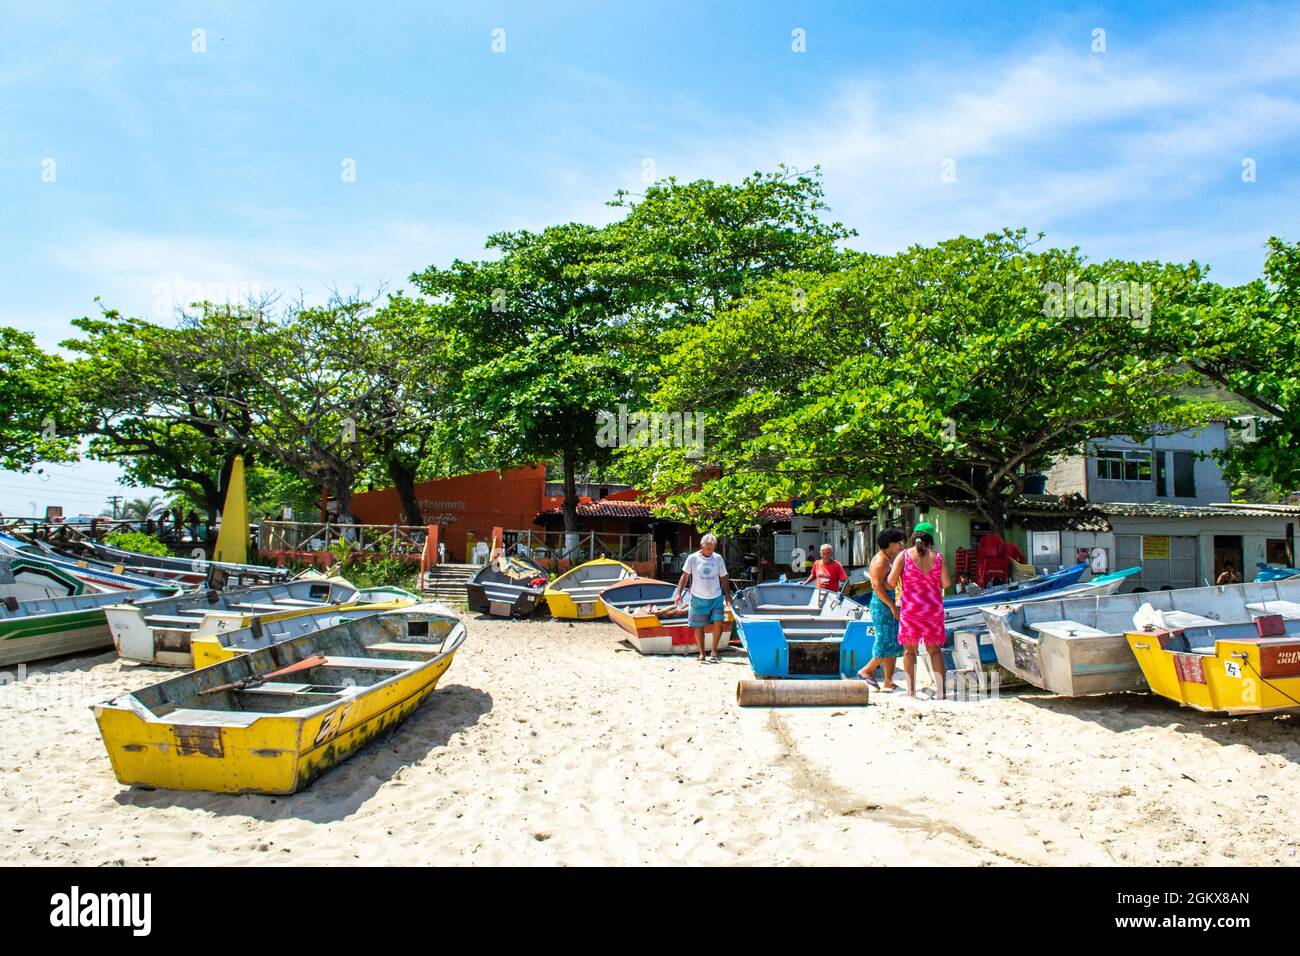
x=114 y=499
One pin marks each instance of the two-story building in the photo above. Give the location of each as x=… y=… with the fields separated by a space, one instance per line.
x=1162 y=503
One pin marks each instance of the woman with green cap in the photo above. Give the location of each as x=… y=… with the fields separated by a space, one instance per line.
x=921 y=572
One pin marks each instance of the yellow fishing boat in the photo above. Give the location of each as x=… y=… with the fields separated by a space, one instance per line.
x=272 y=720
x=576 y=592
x=1227 y=668
x=257 y=632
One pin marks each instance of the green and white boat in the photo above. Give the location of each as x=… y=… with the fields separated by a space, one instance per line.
x=50 y=627
x=27 y=579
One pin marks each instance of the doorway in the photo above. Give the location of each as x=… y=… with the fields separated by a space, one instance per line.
x=1228 y=554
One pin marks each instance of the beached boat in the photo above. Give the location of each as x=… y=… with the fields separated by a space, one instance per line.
x=1077 y=646
x=96 y=577
x=255 y=632
x=273 y=720
x=510 y=585
x=797 y=630
x=970 y=645
x=643 y=607
x=236 y=575
x=161 y=632
x=27 y=579
x=1227 y=668
x=49 y=627
x=189 y=580
x=576 y=592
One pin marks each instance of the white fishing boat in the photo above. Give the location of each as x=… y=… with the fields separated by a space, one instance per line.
x=162 y=631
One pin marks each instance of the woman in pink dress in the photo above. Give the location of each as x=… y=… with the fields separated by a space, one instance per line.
x=924 y=578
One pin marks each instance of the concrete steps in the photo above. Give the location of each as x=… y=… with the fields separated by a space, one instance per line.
x=446 y=582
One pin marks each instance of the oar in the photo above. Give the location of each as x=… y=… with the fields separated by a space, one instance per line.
x=307 y=663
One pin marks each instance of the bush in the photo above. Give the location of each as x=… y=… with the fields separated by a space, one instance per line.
x=137 y=541
x=381 y=572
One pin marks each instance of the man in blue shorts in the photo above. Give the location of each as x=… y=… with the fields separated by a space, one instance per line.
x=884 y=610
x=710 y=593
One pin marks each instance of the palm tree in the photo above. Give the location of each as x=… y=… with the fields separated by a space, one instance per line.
x=144 y=508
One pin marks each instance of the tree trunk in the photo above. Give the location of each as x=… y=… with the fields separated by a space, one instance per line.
x=570 y=493
x=403 y=478
x=343 y=496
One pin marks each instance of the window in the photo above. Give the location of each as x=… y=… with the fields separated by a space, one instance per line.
x=1184 y=475
x=1116 y=465
x=1276 y=551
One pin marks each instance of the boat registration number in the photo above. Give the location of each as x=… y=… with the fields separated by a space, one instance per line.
x=1279 y=660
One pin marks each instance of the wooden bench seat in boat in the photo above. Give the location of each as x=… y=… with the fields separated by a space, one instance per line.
x=297 y=602
x=1066 y=629
x=255 y=606
x=1289 y=610
x=504 y=586
x=171 y=620
x=1187 y=619
x=193 y=717
x=374 y=663
x=410 y=647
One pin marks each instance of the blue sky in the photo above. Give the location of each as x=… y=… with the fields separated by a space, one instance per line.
x=223 y=169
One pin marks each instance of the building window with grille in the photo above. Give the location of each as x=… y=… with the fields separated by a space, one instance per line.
x=1114 y=464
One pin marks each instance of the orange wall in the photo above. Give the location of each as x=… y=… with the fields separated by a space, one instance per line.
x=477 y=502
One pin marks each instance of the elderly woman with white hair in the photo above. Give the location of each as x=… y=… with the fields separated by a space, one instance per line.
x=710 y=593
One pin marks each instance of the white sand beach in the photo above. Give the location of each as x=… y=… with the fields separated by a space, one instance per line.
x=555 y=743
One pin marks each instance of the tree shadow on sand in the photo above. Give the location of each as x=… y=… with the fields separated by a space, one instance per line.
x=1270 y=734
x=341 y=791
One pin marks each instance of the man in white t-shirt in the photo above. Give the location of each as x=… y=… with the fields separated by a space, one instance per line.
x=710 y=592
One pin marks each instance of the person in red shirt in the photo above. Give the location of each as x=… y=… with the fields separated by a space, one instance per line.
x=827 y=572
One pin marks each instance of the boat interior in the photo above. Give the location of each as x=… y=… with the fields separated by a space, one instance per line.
x=641 y=594
x=585 y=583
x=1201 y=639
x=507 y=585
x=343 y=661
x=805 y=612
x=11 y=608
x=1185 y=608
x=186 y=613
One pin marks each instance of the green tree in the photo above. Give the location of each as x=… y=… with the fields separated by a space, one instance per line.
x=35 y=424
x=160 y=427
x=1247 y=340
x=939 y=375
x=543 y=332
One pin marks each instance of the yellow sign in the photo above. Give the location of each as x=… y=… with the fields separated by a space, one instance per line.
x=1155 y=546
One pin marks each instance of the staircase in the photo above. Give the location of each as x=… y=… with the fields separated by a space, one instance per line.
x=446 y=583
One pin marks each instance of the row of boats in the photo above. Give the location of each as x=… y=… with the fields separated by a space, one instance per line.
x=280 y=680
x=1230 y=649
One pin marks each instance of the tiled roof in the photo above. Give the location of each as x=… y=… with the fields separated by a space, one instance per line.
x=605 y=508
x=1161 y=509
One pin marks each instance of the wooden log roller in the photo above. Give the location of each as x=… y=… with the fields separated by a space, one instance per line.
x=801 y=693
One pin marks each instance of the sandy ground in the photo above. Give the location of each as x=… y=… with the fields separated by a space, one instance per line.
x=555 y=743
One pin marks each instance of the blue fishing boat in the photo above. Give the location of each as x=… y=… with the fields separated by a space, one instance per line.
x=801 y=631
x=796 y=630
